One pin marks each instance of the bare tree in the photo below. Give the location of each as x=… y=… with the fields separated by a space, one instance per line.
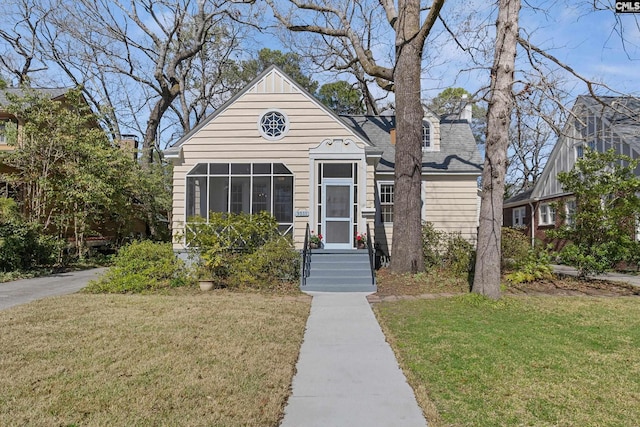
x=21 y=55
x=340 y=21
x=153 y=45
x=537 y=124
x=487 y=271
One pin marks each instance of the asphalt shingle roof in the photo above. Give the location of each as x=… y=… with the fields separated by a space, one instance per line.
x=458 y=151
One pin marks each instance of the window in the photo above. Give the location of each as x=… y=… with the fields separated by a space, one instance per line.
x=547 y=214
x=518 y=217
x=570 y=211
x=385 y=190
x=579 y=151
x=426 y=135
x=273 y=125
x=241 y=187
x=3 y=131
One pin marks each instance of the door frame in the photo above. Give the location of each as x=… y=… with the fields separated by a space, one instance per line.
x=337 y=182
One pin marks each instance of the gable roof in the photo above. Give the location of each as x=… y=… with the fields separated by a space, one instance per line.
x=175 y=147
x=621 y=115
x=458 y=151
x=52 y=93
x=621 y=112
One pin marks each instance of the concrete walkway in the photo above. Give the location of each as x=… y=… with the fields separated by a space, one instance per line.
x=347 y=375
x=610 y=276
x=27 y=290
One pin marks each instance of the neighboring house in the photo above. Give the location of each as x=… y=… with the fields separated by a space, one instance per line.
x=274 y=147
x=6 y=118
x=601 y=125
x=128 y=142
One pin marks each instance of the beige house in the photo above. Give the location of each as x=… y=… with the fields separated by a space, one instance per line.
x=274 y=147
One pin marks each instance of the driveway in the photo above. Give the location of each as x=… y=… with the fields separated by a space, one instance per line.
x=27 y=290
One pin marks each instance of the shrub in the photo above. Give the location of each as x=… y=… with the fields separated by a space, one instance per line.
x=594 y=259
x=241 y=250
x=272 y=265
x=431 y=245
x=235 y=232
x=515 y=247
x=535 y=266
x=459 y=255
x=23 y=246
x=607 y=194
x=141 y=266
x=446 y=250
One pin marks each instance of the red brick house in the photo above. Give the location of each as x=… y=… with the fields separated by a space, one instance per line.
x=596 y=124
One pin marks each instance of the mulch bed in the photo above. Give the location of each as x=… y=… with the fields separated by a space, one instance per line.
x=439 y=284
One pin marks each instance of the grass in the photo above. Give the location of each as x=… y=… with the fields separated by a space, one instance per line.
x=526 y=361
x=215 y=359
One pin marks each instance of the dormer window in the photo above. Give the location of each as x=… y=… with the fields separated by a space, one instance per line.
x=426 y=136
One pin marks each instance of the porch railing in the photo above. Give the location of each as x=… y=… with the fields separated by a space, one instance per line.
x=306 y=258
x=235 y=240
x=372 y=262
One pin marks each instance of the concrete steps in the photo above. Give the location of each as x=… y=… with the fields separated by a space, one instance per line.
x=339 y=271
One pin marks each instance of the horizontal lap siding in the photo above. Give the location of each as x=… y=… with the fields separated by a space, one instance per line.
x=233 y=136
x=452 y=204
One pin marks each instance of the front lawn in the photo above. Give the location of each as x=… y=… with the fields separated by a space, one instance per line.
x=522 y=361
x=184 y=359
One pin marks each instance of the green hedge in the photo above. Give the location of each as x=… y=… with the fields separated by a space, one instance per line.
x=141 y=266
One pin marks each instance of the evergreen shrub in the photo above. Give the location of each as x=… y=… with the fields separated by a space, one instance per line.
x=141 y=266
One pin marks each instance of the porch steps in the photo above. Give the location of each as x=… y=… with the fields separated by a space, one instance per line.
x=339 y=271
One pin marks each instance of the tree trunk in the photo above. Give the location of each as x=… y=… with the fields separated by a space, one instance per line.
x=153 y=124
x=407 y=222
x=487 y=272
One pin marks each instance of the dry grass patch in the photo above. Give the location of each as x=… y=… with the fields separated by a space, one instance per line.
x=206 y=359
x=434 y=281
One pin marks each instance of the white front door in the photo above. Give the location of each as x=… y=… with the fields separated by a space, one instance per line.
x=337 y=215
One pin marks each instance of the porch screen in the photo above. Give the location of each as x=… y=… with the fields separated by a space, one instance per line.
x=241 y=187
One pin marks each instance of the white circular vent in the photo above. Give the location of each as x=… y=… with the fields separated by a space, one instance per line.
x=273 y=125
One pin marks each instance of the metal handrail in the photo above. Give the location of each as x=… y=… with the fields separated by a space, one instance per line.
x=306 y=258
x=372 y=263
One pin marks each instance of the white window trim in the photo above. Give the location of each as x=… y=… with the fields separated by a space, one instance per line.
x=3 y=131
x=250 y=175
x=570 y=219
x=380 y=184
x=547 y=210
x=518 y=213
x=431 y=135
x=284 y=131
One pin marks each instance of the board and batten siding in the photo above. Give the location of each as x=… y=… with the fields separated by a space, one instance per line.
x=233 y=136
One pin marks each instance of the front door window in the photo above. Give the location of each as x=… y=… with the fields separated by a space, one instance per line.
x=337 y=207
x=337 y=217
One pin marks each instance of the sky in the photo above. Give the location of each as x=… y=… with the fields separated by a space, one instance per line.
x=587 y=40
x=569 y=29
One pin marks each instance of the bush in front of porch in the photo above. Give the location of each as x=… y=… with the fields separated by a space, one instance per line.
x=244 y=251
